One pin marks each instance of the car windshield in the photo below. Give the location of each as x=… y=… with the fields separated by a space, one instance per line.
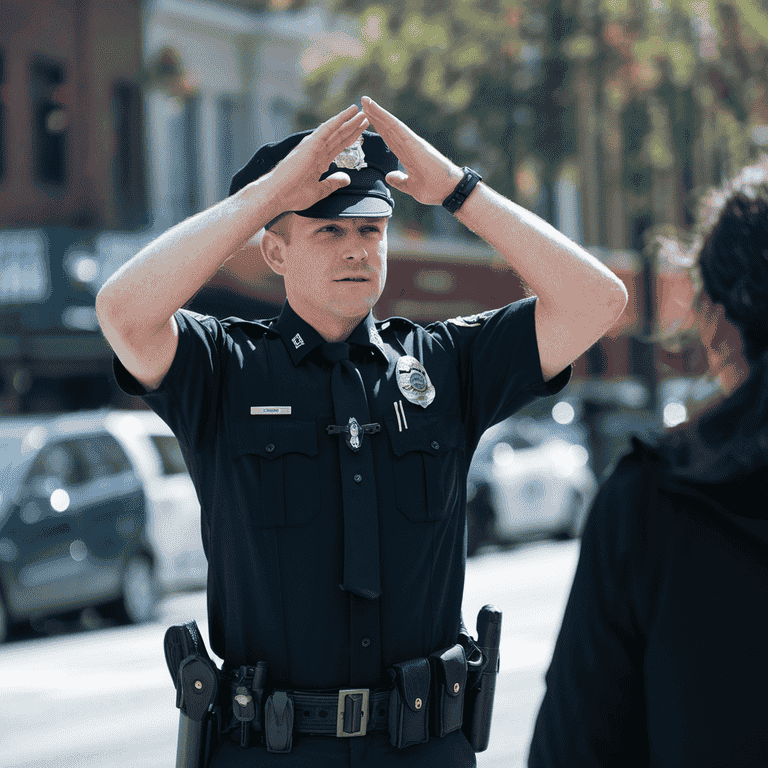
x=12 y=461
x=170 y=454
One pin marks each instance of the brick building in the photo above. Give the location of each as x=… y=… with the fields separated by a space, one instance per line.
x=71 y=163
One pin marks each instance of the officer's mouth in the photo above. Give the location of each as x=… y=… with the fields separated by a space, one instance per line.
x=351 y=280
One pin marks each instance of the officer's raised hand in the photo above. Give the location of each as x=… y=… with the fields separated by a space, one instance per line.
x=429 y=176
x=296 y=179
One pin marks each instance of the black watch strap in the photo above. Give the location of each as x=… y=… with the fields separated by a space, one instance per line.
x=456 y=199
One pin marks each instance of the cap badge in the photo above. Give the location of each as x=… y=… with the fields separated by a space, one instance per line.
x=413 y=381
x=352 y=157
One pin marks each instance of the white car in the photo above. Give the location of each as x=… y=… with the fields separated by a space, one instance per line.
x=529 y=479
x=173 y=509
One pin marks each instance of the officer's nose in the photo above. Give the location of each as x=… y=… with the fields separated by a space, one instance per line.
x=356 y=253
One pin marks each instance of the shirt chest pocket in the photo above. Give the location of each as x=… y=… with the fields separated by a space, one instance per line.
x=279 y=462
x=427 y=459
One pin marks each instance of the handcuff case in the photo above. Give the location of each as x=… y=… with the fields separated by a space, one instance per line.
x=449 y=681
x=409 y=703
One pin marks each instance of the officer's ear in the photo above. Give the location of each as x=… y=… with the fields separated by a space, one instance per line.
x=273 y=246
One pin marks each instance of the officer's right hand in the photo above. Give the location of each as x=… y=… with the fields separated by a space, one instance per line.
x=295 y=180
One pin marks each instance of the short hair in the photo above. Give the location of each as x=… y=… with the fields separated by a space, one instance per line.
x=280 y=225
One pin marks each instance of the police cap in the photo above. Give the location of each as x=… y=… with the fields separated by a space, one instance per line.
x=367 y=194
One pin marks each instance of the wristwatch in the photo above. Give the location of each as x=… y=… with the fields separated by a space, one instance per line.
x=456 y=199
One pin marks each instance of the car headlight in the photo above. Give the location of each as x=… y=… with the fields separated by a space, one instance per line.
x=503 y=454
x=568 y=459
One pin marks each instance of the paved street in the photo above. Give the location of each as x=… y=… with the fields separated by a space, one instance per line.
x=105 y=697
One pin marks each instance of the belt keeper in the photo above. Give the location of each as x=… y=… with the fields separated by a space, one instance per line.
x=278 y=723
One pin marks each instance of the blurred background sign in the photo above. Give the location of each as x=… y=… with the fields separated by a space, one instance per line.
x=23 y=267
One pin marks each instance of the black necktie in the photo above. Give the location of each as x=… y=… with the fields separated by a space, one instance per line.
x=358 y=483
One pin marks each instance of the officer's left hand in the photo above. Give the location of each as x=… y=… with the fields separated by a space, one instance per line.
x=430 y=176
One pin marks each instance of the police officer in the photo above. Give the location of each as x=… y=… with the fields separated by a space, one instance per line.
x=330 y=449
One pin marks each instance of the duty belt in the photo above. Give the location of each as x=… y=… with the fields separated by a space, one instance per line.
x=345 y=713
x=426 y=698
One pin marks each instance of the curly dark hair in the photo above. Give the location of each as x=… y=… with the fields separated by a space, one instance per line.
x=730 y=251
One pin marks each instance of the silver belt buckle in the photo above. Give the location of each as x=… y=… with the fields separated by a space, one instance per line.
x=340 y=732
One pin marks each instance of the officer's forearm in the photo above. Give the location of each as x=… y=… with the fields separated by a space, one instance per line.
x=563 y=275
x=144 y=293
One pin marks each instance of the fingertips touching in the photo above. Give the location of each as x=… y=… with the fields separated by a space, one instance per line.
x=339 y=179
x=343 y=117
x=396 y=179
x=356 y=122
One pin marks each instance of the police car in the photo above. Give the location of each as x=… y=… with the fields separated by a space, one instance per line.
x=529 y=479
x=173 y=509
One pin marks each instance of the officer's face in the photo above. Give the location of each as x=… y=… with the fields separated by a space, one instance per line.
x=336 y=266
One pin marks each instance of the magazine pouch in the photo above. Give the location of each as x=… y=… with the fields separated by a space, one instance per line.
x=409 y=703
x=449 y=680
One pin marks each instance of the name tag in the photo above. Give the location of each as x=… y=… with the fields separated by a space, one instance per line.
x=270 y=410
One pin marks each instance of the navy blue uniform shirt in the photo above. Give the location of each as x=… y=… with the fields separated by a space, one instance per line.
x=269 y=484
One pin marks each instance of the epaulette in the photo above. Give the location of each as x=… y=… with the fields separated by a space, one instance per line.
x=252 y=328
x=396 y=323
x=472 y=321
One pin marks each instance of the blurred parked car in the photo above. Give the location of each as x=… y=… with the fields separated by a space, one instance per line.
x=529 y=479
x=173 y=510
x=72 y=522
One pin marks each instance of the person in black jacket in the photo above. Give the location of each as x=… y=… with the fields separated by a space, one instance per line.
x=661 y=658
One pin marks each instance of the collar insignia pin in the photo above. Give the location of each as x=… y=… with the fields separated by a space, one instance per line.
x=297 y=341
x=413 y=381
x=352 y=157
x=374 y=337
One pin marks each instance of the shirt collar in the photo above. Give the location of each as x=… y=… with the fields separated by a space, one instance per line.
x=300 y=338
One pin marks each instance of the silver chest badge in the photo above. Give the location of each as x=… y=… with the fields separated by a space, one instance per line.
x=413 y=381
x=352 y=157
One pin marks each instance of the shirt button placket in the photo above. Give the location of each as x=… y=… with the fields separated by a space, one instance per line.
x=365 y=661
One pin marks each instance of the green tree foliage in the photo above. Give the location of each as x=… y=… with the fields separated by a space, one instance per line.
x=497 y=84
x=449 y=70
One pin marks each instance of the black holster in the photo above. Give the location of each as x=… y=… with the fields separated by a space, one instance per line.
x=196 y=679
x=483 y=667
